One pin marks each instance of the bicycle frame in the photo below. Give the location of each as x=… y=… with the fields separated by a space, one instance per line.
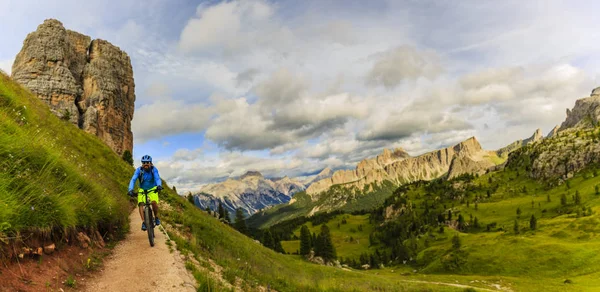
x=149 y=216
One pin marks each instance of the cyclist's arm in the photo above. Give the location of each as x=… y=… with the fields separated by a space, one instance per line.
x=157 y=179
x=136 y=174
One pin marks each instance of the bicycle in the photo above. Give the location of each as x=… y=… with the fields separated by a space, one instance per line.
x=149 y=216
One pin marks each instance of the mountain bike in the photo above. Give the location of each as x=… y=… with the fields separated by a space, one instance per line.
x=149 y=216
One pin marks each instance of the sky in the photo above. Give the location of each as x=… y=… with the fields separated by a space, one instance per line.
x=292 y=87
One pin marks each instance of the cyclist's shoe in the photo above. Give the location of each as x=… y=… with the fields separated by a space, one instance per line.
x=156 y=221
x=143 y=226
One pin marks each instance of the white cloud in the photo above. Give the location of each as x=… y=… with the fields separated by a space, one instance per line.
x=228 y=26
x=403 y=63
x=6 y=66
x=169 y=117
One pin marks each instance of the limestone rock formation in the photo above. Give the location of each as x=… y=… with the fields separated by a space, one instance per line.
x=325 y=173
x=88 y=82
x=571 y=151
x=399 y=167
x=553 y=133
x=251 y=192
x=504 y=151
x=585 y=113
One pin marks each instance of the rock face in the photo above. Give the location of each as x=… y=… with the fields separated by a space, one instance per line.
x=585 y=113
x=399 y=167
x=504 y=151
x=325 y=173
x=553 y=133
x=571 y=148
x=88 y=82
x=251 y=192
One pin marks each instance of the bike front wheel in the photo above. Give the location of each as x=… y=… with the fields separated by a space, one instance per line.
x=149 y=224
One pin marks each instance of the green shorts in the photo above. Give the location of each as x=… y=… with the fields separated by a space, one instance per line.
x=152 y=196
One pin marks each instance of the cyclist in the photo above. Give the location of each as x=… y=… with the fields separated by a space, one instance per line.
x=149 y=180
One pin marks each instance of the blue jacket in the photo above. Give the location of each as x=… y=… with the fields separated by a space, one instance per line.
x=147 y=182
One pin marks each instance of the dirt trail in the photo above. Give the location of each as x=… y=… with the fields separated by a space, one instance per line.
x=135 y=266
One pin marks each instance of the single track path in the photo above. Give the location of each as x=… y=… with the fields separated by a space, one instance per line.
x=135 y=266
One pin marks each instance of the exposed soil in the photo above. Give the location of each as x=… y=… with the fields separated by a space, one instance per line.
x=46 y=272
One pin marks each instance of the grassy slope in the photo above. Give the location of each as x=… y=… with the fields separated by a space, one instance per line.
x=54 y=178
x=202 y=237
x=341 y=236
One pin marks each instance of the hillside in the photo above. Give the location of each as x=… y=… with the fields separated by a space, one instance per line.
x=55 y=180
x=492 y=216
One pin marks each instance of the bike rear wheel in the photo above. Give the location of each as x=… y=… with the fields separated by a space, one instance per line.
x=149 y=224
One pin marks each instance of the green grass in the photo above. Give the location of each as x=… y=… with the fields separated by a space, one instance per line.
x=54 y=178
x=350 y=239
x=242 y=257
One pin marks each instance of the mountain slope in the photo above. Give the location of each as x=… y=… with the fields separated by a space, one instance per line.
x=251 y=192
x=55 y=180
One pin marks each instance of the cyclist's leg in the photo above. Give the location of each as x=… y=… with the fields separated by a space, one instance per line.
x=141 y=207
x=141 y=201
x=153 y=196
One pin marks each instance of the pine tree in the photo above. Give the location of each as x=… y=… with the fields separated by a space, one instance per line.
x=563 y=199
x=226 y=216
x=449 y=215
x=518 y=212
x=268 y=239
x=548 y=198
x=456 y=242
x=461 y=222
x=328 y=250
x=476 y=223
x=277 y=244
x=577 y=198
x=221 y=210
x=516 y=227
x=240 y=222
x=305 y=240
x=532 y=223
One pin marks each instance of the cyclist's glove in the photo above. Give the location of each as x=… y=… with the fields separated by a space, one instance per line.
x=131 y=193
x=159 y=188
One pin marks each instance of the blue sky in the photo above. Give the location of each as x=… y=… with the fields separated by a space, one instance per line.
x=291 y=87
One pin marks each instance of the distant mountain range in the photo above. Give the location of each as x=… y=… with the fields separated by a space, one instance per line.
x=252 y=192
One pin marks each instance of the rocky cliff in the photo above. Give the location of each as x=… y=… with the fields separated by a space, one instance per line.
x=585 y=113
x=399 y=167
x=537 y=136
x=251 y=192
x=88 y=82
x=570 y=149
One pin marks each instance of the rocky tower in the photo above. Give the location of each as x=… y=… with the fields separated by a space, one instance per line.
x=89 y=82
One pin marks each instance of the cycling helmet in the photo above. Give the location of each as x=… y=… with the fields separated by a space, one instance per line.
x=146 y=158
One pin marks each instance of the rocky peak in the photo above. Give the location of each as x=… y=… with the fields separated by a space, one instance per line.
x=468 y=146
x=88 y=82
x=325 y=172
x=553 y=133
x=537 y=136
x=585 y=113
x=251 y=173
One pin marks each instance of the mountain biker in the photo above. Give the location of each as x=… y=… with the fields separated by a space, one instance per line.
x=149 y=180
